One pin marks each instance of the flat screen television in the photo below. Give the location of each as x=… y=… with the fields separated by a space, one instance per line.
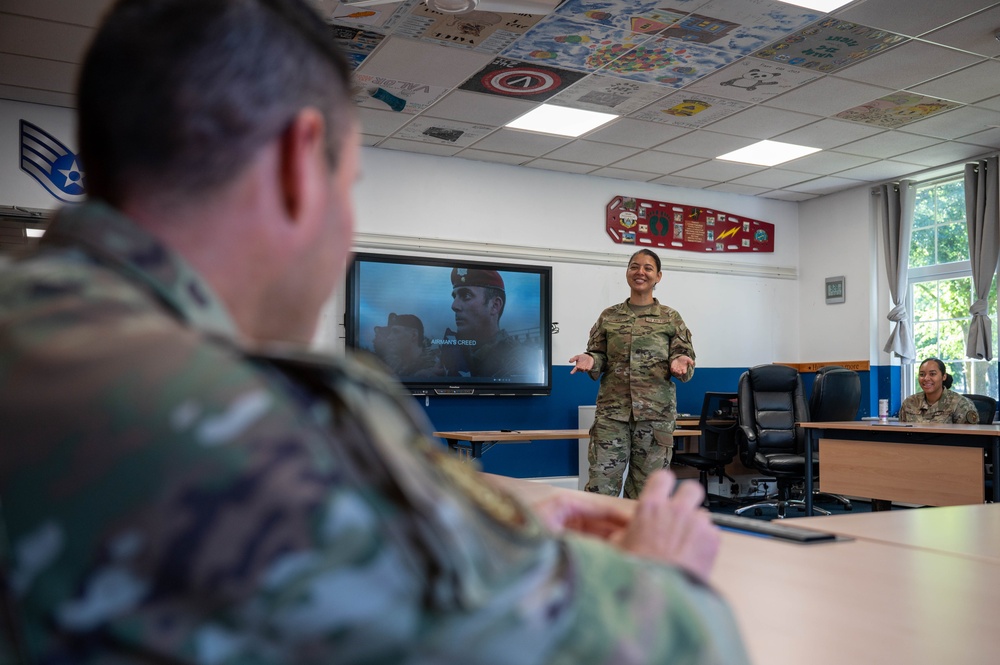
x=453 y=327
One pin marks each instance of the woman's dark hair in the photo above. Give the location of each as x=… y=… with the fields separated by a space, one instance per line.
x=176 y=96
x=948 y=378
x=651 y=254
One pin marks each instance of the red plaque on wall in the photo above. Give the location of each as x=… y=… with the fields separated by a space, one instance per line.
x=641 y=222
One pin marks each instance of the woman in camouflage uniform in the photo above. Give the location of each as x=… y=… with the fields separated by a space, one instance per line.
x=635 y=348
x=937 y=403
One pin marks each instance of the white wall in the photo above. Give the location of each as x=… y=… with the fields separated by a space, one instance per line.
x=736 y=320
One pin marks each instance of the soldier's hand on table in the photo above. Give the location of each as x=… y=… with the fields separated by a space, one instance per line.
x=583 y=363
x=679 y=366
x=673 y=529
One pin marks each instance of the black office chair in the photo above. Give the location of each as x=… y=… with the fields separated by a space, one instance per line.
x=771 y=402
x=986 y=406
x=717 y=443
x=836 y=395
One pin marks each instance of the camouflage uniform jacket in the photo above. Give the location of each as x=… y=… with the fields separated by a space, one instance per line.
x=951 y=408
x=169 y=498
x=632 y=355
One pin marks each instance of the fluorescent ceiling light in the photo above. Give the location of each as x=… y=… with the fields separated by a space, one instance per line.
x=34 y=233
x=560 y=120
x=768 y=153
x=820 y=5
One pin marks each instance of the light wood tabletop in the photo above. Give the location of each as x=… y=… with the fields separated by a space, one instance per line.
x=857 y=601
x=479 y=441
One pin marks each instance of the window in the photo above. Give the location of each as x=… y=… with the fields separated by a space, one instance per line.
x=941 y=290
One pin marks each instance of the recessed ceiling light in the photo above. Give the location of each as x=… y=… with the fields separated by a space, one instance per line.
x=560 y=120
x=819 y=5
x=768 y=153
x=33 y=233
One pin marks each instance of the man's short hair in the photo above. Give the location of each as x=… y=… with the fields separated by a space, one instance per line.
x=176 y=96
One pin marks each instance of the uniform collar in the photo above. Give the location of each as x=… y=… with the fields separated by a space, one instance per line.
x=112 y=239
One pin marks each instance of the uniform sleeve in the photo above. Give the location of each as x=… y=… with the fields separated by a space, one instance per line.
x=681 y=345
x=597 y=347
x=966 y=412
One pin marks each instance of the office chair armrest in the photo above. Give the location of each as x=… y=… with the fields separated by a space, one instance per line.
x=751 y=438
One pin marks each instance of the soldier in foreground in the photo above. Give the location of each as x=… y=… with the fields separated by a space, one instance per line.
x=173 y=494
x=635 y=348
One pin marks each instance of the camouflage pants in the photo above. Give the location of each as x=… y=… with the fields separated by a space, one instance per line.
x=642 y=447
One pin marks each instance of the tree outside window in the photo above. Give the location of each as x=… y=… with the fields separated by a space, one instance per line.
x=941 y=290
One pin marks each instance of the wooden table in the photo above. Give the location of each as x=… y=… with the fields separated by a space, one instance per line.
x=473 y=444
x=935 y=464
x=858 y=601
x=968 y=531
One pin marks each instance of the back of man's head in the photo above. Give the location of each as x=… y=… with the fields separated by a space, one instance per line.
x=176 y=96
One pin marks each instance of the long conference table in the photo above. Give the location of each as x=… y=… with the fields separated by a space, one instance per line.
x=870 y=597
x=471 y=444
x=929 y=464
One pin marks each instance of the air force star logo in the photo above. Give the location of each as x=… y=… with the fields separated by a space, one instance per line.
x=51 y=163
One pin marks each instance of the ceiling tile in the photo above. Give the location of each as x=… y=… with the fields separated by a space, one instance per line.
x=828 y=96
x=679 y=181
x=419 y=62
x=761 y=122
x=774 y=178
x=636 y=133
x=705 y=144
x=887 y=144
x=718 y=170
x=521 y=143
x=555 y=165
x=941 y=154
x=590 y=152
x=989 y=138
x=44 y=39
x=908 y=64
x=480 y=109
x=374 y=121
x=78 y=12
x=826 y=162
x=910 y=17
x=952 y=124
x=24 y=72
x=732 y=188
x=968 y=85
x=972 y=34
x=828 y=134
x=624 y=174
x=882 y=170
x=489 y=156
x=783 y=195
x=825 y=185
x=655 y=161
x=418 y=146
x=36 y=96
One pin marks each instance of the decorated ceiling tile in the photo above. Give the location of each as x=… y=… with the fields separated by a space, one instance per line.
x=691 y=110
x=523 y=80
x=609 y=94
x=376 y=17
x=387 y=94
x=896 y=110
x=356 y=44
x=830 y=45
x=443 y=132
x=669 y=62
x=573 y=44
x=754 y=81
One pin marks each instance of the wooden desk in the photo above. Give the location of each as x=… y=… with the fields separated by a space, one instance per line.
x=933 y=464
x=860 y=601
x=968 y=531
x=472 y=444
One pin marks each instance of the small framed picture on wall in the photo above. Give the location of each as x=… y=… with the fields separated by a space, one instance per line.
x=835 y=290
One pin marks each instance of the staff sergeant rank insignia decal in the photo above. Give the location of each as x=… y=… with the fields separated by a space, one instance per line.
x=52 y=164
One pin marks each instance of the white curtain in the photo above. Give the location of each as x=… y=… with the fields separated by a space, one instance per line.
x=897 y=202
x=982 y=217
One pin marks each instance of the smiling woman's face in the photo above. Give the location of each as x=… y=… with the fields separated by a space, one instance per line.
x=931 y=378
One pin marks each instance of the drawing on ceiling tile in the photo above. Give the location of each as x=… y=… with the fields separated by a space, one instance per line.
x=691 y=110
x=571 y=43
x=355 y=43
x=379 y=92
x=608 y=94
x=511 y=78
x=830 y=45
x=896 y=110
x=753 y=80
x=443 y=132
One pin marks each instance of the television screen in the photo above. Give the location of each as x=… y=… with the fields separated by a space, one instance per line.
x=453 y=327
